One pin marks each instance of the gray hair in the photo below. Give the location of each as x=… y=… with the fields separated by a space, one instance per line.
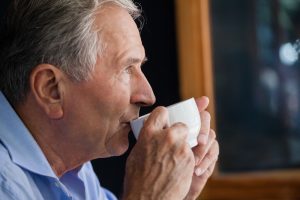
x=57 y=32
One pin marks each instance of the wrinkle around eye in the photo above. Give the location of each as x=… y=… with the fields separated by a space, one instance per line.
x=125 y=75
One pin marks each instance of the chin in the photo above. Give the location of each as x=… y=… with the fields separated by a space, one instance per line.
x=118 y=148
x=119 y=143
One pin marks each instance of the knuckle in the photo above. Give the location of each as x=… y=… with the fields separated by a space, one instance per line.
x=147 y=129
x=209 y=158
x=213 y=156
x=161 y=109
x=209 y=171
x=169 y=136
x=181 y=126
x=206 y=115
x=186 y=151
x=212 y=134
x=180 y=130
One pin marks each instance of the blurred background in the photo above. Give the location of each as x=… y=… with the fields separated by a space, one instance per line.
x=244 y=55
x=256 y=71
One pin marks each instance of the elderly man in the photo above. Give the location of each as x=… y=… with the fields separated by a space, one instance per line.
x=71 y=81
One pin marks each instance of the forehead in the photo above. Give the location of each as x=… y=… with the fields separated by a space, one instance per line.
x=116 y=27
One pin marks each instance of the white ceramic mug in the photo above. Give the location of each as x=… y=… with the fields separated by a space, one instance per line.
x=185 y=112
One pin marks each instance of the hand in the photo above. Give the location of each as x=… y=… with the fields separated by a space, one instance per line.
x=161 y=164
x=206 y=152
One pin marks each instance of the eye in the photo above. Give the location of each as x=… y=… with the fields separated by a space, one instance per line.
x=129 y=70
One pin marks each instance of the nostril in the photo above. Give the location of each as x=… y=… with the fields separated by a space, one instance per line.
x=149 y=101
x=142 y=104
x=143 y=100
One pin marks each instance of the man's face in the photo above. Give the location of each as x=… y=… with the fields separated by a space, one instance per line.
x=99 y=110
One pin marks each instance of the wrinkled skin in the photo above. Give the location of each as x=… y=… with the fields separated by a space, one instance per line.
x=75 y=122
x=162 y=165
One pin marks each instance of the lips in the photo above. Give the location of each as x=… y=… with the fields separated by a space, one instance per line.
x=126 y=123
x=127 y=120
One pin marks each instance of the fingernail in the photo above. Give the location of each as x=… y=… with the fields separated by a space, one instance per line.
x=198 y=171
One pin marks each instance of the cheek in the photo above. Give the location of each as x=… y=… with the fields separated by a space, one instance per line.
x=125 y=78
x=109 y=98
x=114 y=101
x=120 y=93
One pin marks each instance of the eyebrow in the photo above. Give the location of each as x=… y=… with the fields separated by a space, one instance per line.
x=132 y=60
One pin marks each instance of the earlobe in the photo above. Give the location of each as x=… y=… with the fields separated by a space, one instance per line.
x=46 y=85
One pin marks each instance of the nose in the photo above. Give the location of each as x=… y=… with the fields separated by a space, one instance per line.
x=142 y=94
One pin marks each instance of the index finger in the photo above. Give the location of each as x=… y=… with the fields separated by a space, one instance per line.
x=158 y=119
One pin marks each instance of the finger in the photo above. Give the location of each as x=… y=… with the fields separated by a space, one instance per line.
x=174 y=141
x=175 y=137
x=210 y=169
x=202 y=103
x=179 y=131
x=207 y=173
x=201 y=150
x=157 y=120
x=205 y=128
x=210 y=158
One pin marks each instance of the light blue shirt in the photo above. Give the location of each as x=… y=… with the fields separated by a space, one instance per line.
x=25 y=173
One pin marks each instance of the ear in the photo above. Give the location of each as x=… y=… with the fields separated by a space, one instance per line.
x=46 y=83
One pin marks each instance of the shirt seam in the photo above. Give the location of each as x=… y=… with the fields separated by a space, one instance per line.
x=4 y=183
x=9 y=192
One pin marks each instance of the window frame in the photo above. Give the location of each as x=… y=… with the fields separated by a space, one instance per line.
x=196 y=79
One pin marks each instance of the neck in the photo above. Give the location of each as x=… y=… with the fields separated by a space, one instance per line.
x=60 y=160
x=61 y=152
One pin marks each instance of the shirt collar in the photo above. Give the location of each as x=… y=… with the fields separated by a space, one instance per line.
x=20 y=144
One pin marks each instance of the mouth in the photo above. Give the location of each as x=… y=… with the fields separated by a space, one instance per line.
x=125 y=126
x=129 y=119
x=126 y=123
x=126 y=119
